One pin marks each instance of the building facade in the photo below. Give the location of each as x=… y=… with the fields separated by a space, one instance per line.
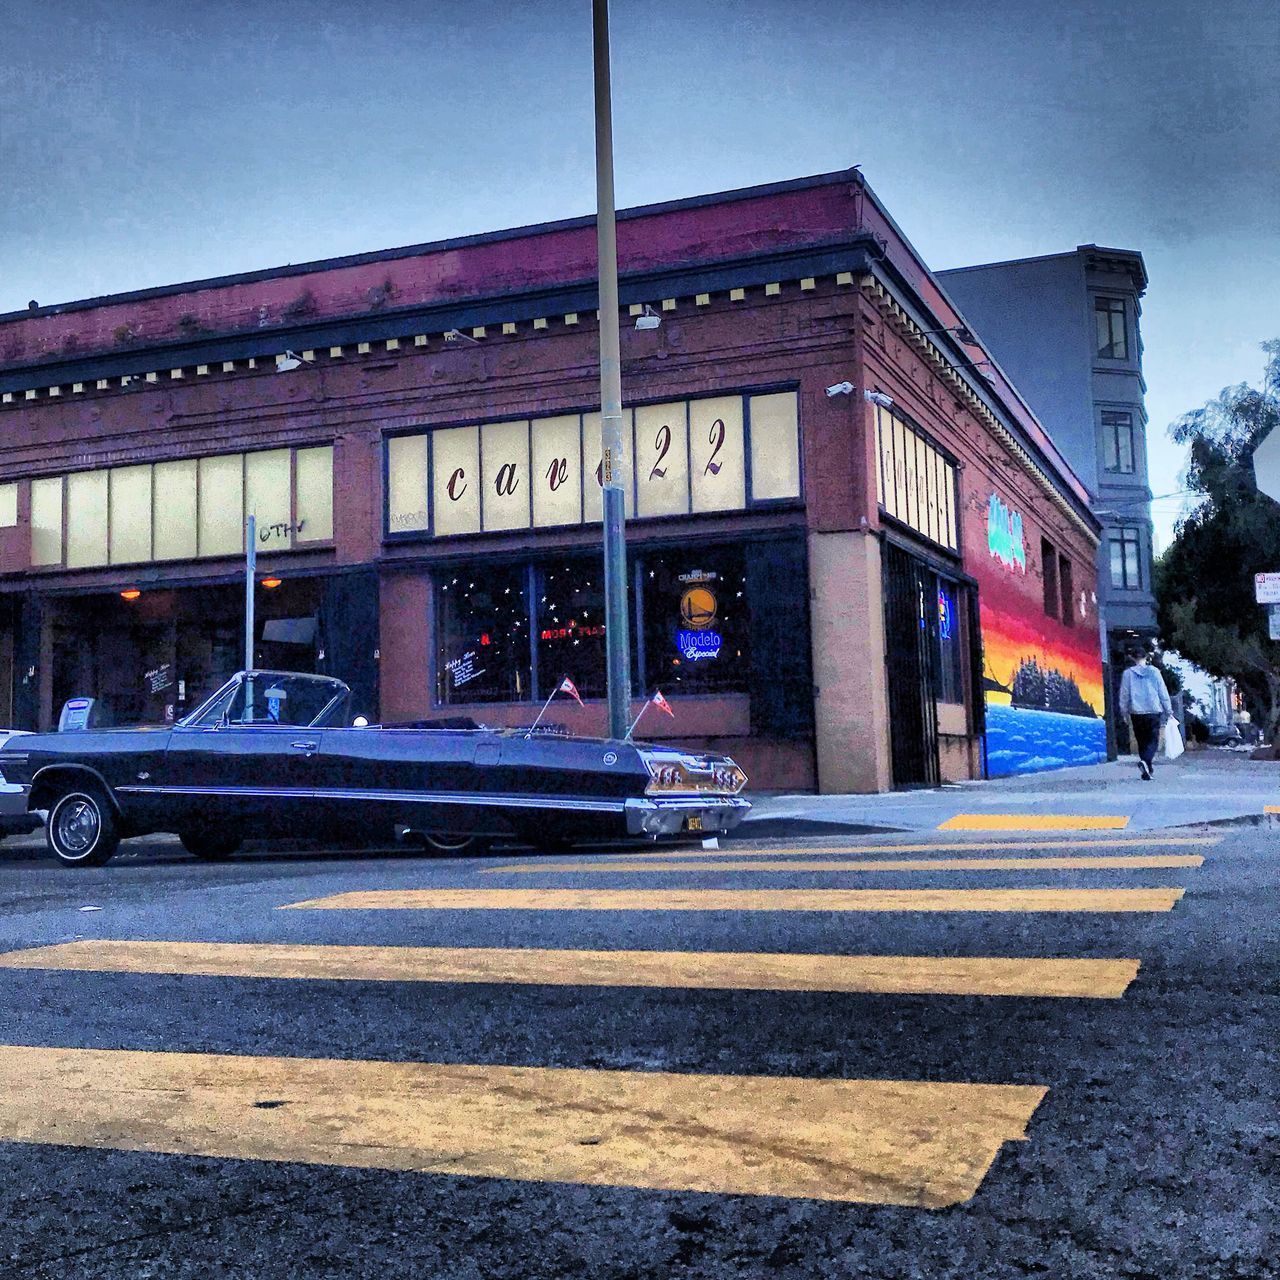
x=845 y=593
x=1066 y=328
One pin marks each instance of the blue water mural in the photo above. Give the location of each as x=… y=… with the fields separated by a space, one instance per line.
x=1025 y=741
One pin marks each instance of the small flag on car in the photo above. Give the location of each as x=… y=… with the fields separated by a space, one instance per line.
x=567 y=686
x=662 y=704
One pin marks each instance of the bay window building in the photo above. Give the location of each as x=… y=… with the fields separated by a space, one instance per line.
x=840 y=589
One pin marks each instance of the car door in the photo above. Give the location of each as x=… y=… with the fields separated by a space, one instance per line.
x=249 y=764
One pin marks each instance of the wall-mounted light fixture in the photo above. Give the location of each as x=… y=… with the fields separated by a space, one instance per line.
x=130 y=594
x=289 y=361
x=648 y=318
x=271 y=583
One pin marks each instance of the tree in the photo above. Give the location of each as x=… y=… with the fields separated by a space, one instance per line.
x=1204 y=582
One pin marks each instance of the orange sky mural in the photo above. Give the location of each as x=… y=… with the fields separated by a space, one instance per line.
x=1008 y=639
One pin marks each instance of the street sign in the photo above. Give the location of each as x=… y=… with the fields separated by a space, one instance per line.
x=1266 y=464
x=1273 y=621
x=1266 y=588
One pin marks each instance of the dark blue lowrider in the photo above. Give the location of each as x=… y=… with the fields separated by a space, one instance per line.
x=274 y=754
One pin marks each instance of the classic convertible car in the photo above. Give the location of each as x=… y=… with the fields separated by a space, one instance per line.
x=275 y=754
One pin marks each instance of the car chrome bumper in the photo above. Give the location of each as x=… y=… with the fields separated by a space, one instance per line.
x=658 y=816
x=14 y=816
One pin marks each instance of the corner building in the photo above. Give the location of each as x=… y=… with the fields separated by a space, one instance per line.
x=846 y=594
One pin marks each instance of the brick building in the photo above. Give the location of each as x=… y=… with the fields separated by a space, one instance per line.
x=844 y=594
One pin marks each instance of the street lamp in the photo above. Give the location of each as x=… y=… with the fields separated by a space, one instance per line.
x=613 y=459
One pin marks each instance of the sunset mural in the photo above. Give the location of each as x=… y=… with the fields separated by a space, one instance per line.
x=1042 y=678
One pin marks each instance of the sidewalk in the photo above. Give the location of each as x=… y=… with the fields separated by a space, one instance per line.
x=1203 y=786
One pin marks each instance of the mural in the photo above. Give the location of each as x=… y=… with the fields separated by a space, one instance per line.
x=1042 y=681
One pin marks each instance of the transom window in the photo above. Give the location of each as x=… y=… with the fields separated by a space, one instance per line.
x=916 y=481
x=723 y=453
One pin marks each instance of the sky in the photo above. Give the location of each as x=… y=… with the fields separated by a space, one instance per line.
x=144 y=143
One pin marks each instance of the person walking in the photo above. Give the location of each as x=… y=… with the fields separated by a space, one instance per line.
x=1145 y=701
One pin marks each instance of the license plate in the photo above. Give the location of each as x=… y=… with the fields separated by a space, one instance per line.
x=693 y=824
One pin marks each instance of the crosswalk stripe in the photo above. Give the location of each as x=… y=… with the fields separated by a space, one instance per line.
x=709 y=970
x=1034 y=822
x=950 y=846
x=1118 y=863
x=915 y=1143
x=746 y=900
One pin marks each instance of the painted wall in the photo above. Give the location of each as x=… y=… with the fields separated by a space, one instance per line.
x=1042 y=679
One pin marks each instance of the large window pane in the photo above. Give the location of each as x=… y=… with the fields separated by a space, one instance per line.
x=482 y=628
x=504 y=450
x=173 y=496
x=696 y=622
x=46 y=521
x=775 y=447
x=130 y=494
x=314 y=487
x=570 y=619
x=407 y=484
x=557 y=470
x=662 y=460
x=268 y=499
x=86 y=519
x=8 y=505
x=455 y=480
x=950 y=644
x=221 y=483
x=717 y=462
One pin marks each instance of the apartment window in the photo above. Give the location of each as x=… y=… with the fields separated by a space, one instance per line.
x=1125 y=546
x=1117 y=441
x=1108 y=315
x=1066 y=583
x=1049 y=562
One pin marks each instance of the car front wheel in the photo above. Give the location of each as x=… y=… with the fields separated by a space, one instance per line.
x=82 y=829
x=212 y=846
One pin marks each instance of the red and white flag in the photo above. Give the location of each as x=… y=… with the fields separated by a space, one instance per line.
x=567 y=686
x=662 y=704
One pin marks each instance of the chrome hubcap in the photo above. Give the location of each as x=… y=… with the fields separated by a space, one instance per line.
x=78 y=826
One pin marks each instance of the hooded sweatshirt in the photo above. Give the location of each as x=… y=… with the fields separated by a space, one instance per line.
x=1142 y=692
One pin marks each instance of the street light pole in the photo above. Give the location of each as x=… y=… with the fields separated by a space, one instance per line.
x=250 y=573
x=613 y=464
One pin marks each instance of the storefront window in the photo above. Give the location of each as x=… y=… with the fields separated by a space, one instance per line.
x=570 y=621
x=173 y=493
x=46 y=521
x=950 y=633
x=86 y=519
x=696 y=632
x=482 y=651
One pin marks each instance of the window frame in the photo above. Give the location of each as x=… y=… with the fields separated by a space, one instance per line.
x=751 y=504
x=1125 y=536
x=1120 y=426
x=933 y=465
x=107 y=563
x=1050 y=585
x=1111 y=307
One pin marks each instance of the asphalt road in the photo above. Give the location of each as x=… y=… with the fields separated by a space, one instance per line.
x=821 y=1120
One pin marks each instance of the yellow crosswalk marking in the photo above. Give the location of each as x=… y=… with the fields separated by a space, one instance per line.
x=949 y=846
x=711 y=970
x=746 y=900
x=872 y=1141
x=1033 y=822
x=1118 y=863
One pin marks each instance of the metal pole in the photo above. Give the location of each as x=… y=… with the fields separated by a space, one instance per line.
x=250 y=572
x=613 y=472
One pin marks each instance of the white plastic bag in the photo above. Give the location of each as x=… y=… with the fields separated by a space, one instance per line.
x=1173 y=747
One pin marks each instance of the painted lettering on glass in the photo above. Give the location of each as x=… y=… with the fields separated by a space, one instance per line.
x=457 y=485
x=662 y=443
x=506 y=482
x=557 y=473
x=715 y=438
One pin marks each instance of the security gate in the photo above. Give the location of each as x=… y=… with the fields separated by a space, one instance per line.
x=909 y=643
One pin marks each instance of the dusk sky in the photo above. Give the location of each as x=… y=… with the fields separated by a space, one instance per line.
x=146 y=143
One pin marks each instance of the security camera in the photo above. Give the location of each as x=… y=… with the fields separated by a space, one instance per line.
x=879 y=398
x=840 y=389
x=648 y=318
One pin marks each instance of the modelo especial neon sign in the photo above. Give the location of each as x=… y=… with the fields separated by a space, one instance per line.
x=1004 y=534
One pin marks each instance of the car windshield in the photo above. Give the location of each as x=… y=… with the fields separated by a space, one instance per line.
x=274 y=698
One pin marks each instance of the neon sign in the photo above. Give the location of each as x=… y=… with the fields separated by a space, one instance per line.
x=946 y=616
x=1004 y=534
x=697 y=646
